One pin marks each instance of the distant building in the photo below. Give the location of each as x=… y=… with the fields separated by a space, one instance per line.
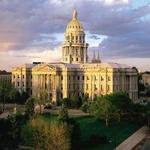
x=75 y=75
x=146 y=78
x=5 y=75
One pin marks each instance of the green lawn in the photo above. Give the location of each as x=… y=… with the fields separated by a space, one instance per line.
x=116 y=132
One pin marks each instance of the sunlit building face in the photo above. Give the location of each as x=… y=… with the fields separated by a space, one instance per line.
x=75 y=75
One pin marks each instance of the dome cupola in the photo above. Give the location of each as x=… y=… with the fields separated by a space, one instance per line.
x=74 y=49
x=74 y=25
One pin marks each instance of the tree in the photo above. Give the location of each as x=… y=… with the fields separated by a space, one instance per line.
x=137 y=113
x=29 y=106
x=23 y=97
x=66 y=102
x=75 y=101
x=5 y=87
x=14 y=95
x=10 y=130
x=85 y=107
x=101 y=108
x=63 y=114
x=121 y=104
x=85 y=98
x=48 y=135
x=42 y=98
x=148 y=114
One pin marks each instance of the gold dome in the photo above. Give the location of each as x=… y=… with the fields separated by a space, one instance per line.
x=74 y=24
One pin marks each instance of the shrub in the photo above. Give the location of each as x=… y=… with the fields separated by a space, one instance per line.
x=76 y=102
x=66 y=102
x=10 y=130
x=29 y=106
x=1 y=111
x=63 y=114
x=47 y=135
x=85 y=107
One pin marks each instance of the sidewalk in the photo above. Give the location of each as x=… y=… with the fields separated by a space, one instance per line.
x=134 y=139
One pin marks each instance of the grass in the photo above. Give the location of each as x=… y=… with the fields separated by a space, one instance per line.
x=116 y=132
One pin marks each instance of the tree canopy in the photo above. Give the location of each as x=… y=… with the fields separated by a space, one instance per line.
x=101 y=108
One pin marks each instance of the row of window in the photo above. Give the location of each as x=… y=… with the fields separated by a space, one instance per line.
x=23 y=84
x=75 y=59
x=74 y=27
x=73 y=51
x=87 y=78
x=81 y=86
x=19 y=76
x=77 y=39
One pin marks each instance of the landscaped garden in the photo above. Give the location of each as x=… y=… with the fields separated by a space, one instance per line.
x=116 y=133
x=107 y=138
x=108 y=121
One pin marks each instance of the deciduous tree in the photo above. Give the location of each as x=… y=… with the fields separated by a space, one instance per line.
x=101 y=108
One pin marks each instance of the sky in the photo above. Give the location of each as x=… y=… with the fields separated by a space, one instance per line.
x=33 y=30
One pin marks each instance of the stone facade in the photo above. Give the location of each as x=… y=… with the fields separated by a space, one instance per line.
x=5 y=76
x=74 y=49
x=22 y=78
x=75 y=75
x=146 y=79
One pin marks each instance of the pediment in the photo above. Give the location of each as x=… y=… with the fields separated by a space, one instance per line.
x=46 y=68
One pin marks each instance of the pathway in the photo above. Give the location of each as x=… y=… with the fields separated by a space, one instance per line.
x=134 y=139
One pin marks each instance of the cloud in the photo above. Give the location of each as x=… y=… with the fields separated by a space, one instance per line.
x=116 y=2
x=15 y=58
x=95 y=37
x=126 y=30
x=33 y=27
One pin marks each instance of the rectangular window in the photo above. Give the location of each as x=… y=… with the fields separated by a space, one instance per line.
x=82 y=77
x=95 y=88
x=86 y=86
x=108 y=87
x=23 y=76
x=18 y=83
x=78 y=77
x=74 y=86
x=61 y=77
x=101 y=87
